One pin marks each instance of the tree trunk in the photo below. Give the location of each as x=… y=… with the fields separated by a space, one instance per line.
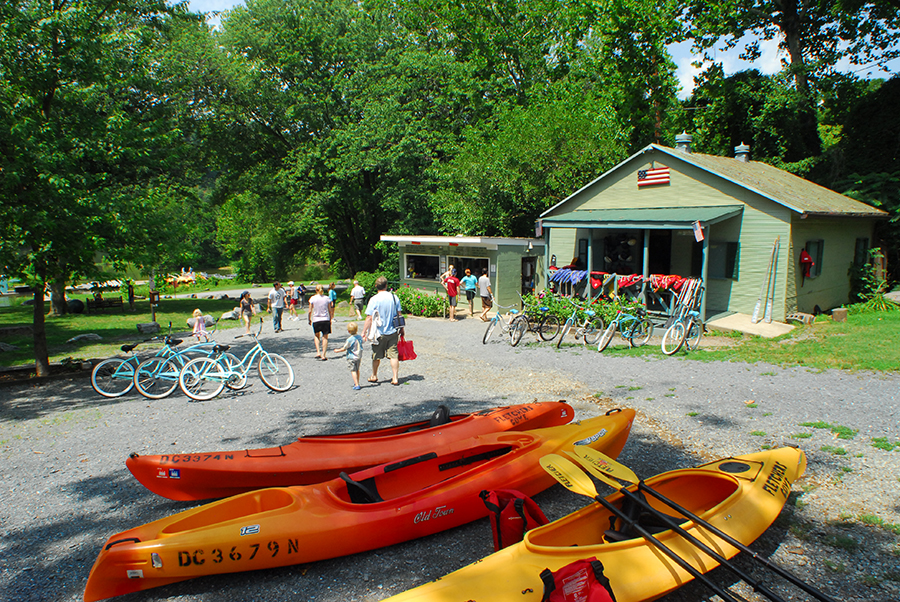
x=41 y=357
x=808 y=144
x=58 y=304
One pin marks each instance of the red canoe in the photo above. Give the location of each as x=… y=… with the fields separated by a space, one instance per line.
x=309 y=460
x=373 y=508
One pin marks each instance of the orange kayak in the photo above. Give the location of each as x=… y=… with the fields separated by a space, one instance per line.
x=369 y=509
x=315 y=459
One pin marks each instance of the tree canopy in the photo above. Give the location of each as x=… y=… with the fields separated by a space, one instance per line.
x=305 y=129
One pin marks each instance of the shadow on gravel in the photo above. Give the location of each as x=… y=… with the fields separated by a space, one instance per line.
x=27 y=401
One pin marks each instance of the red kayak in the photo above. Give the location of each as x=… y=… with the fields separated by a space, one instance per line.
x=376 y=507
x=315 y=459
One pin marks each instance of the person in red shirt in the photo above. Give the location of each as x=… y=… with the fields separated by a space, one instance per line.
x=451 y=283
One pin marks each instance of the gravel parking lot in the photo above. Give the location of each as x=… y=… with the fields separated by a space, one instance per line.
x=66 y=488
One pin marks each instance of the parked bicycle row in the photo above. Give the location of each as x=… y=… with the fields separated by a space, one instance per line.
x=596 y=322
x=201 y=371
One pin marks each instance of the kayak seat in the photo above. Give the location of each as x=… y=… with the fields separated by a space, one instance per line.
x=634 y=513
x=439 y=417
x=361 y=492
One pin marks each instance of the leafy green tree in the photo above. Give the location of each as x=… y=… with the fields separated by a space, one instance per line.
x=814 y=36
x=81 y=120
x=512 y=168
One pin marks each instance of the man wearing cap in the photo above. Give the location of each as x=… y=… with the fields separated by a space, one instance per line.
x=292 y=294
x=276 y=305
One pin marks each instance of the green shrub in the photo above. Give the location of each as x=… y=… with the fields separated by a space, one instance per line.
x=420 y=303
x=561 y=307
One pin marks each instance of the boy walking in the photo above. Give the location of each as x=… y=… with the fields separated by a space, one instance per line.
x=353 y=347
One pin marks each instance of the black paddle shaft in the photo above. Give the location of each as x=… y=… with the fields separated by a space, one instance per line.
x=756 y=585
x=732 y=541
x=725 y=595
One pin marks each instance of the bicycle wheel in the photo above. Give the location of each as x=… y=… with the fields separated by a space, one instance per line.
x=593 y=330
x=275 y=372
x=549 y=327
x=113 y=377
x=157 y=377
x=607 y=336
x=490 y=330
x=202 y=378
x=694 y=334
x=517 y=329
x=562 y=333
x=640 y=332
x=673 y=338
x=237 y=379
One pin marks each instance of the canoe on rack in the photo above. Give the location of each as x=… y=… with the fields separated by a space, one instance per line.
x=742 y=496
x=206 y=475
x=376 y=507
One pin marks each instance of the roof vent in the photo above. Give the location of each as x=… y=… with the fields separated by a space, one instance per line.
x=683 y=142
x=742 y=153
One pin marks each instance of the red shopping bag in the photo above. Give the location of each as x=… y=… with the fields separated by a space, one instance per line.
x=405 y=349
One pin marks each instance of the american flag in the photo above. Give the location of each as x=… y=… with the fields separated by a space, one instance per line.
x=649 y=177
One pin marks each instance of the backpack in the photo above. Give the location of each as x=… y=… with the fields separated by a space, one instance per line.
x=512 y=513
x=580 y=581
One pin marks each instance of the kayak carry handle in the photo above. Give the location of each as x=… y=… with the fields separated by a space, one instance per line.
x=118 y=541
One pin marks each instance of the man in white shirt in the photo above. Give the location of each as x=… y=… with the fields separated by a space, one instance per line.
x=484 y=289
x=380 y=329
x=276 y=305
x=357 y=294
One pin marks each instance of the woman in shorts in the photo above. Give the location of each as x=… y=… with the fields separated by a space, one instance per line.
x=321 y=313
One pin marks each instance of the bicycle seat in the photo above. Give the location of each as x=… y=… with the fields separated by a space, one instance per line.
x=221 y=348
x=173 y=342
x=590 y=312
x=545 y=309
x=127 y=348
x=514 y=311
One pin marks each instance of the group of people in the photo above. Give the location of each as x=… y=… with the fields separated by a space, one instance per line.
x=470 y=286
x=382 y=323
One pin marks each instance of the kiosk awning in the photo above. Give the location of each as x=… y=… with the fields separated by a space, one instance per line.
x=662 y=218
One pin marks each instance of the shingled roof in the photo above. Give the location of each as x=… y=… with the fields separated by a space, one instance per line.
x=780 y=186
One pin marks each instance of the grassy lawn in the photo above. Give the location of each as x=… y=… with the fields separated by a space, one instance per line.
x=116 y=327
x=867 y=341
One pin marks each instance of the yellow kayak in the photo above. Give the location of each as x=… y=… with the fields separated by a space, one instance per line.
x=741 y=496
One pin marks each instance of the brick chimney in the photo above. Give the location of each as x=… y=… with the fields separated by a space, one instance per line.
x=742 y=153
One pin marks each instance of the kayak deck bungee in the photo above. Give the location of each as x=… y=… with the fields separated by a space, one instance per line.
x=207 y=475
x=742 y=496
x=368 y=509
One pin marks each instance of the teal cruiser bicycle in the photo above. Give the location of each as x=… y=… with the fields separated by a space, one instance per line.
x=203 y=378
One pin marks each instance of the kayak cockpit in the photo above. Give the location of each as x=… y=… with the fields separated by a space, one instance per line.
x=237 y=507
x=413 y=475
x=595 y=525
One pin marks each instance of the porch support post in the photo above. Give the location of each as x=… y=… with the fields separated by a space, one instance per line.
x=704 y=271
x=645 y=269
x=590 y=240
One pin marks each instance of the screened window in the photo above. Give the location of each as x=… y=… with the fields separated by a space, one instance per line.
x=815 y=248
x=423 y=267
x=723 y=259
x=861 y=254
x=476 y=264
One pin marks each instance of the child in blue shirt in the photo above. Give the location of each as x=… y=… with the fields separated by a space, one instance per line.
x=353 y=347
